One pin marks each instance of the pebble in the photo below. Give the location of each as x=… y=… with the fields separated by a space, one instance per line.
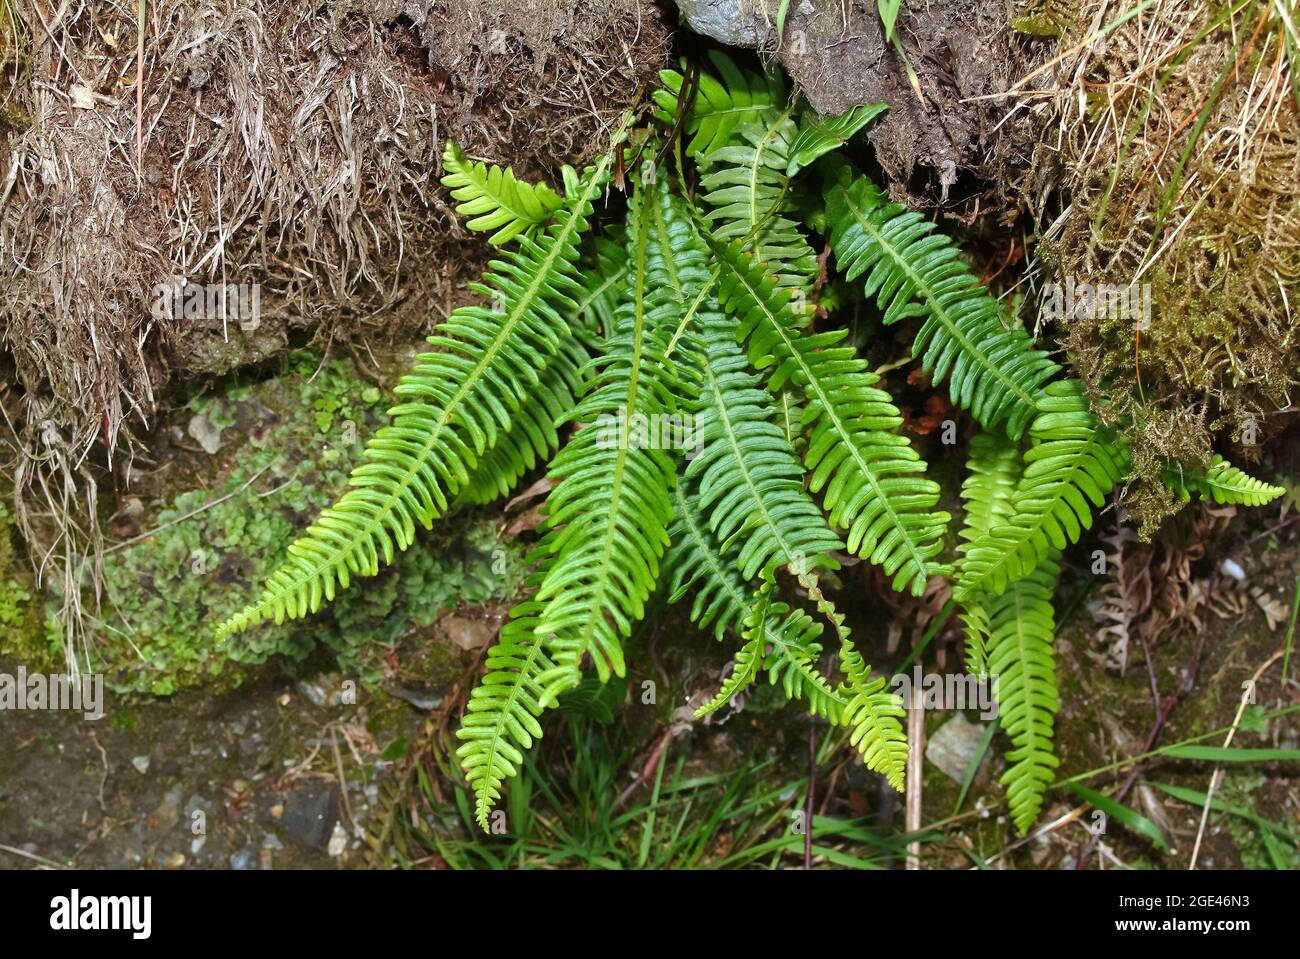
x=141 y=764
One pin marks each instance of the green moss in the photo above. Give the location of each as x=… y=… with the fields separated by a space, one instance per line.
x=23 y=635
x=287 y=446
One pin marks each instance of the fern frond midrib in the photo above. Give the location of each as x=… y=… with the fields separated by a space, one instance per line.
x=756 y=498
x=502 y=717
x=968 y=347
x=756 y=222
x=623 y=450
x=828 y=410
x=692 y=308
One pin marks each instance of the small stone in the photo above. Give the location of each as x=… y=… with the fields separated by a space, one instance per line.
x=277 y=810
x=141 y=764
x=207 y=435
x=243 y=859
x=310 y=812
x=1232 y=568
x=338 y=841
x=175 y=860
x=465 y=633
x=953 y=746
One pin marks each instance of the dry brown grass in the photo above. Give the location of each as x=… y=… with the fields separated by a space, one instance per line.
x=289 y=143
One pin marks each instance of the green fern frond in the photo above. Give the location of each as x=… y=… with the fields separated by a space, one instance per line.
x=818 y=136
x=873 y=481
x=992 y=369
x=750 y=656
x=872 y=716
x=459 y=401
x=750 y=482
x=994 y=469
x=723 y=601
x=1074 y=461
x=1221 y=483
x=501 y=717
x=532 y=437
x=1021 y=630
x=610 y=507
x=746 y=192
x=721 y=103
x=492 y=198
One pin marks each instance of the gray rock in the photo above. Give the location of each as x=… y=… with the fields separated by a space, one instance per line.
x=953 y=746
x=737 y=23
x=310 y=811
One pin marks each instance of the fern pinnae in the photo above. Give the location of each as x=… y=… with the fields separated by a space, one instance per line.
x=872 y=716
x=610 y=507
x=492 y=198
x=869 y=473
x=458 y=402
x=723 y=601
x=1074 y=462
x=749 y=479
x=719 y=104
x=501 y=716
x=1020 y=656
x=994 y=468
x=992 y=370
x=1221 y=482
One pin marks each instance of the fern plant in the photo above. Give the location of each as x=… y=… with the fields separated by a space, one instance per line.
x=697 y=307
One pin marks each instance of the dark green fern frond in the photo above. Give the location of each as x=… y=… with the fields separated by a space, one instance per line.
x=501 y=717
x=992 y=368
x=459 y=401
x=723 y=601
x=610 y=507
x=749 y=480
x=1021 y=630
x=1074 y=462
x=720 y=104
x=872 y=480
x=872 y=716
x=1221 y=483
x=492 y=198
x=818 y=136
x=993 y=470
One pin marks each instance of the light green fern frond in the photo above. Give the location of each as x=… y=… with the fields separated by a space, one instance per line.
x=720 y=104
x=501 y=717
x=872 y=481
x=993 y=470
x=872 y=716
x=750 y=482
x=1073 y=463
x=1221 y=483
x=1021 y=630
x=992 y=368
x=610 y=507
x=492 y=198
x=458 y=402
x=532 y=437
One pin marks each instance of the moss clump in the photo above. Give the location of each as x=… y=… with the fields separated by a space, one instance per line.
x=287 y=446
x=22 y=629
